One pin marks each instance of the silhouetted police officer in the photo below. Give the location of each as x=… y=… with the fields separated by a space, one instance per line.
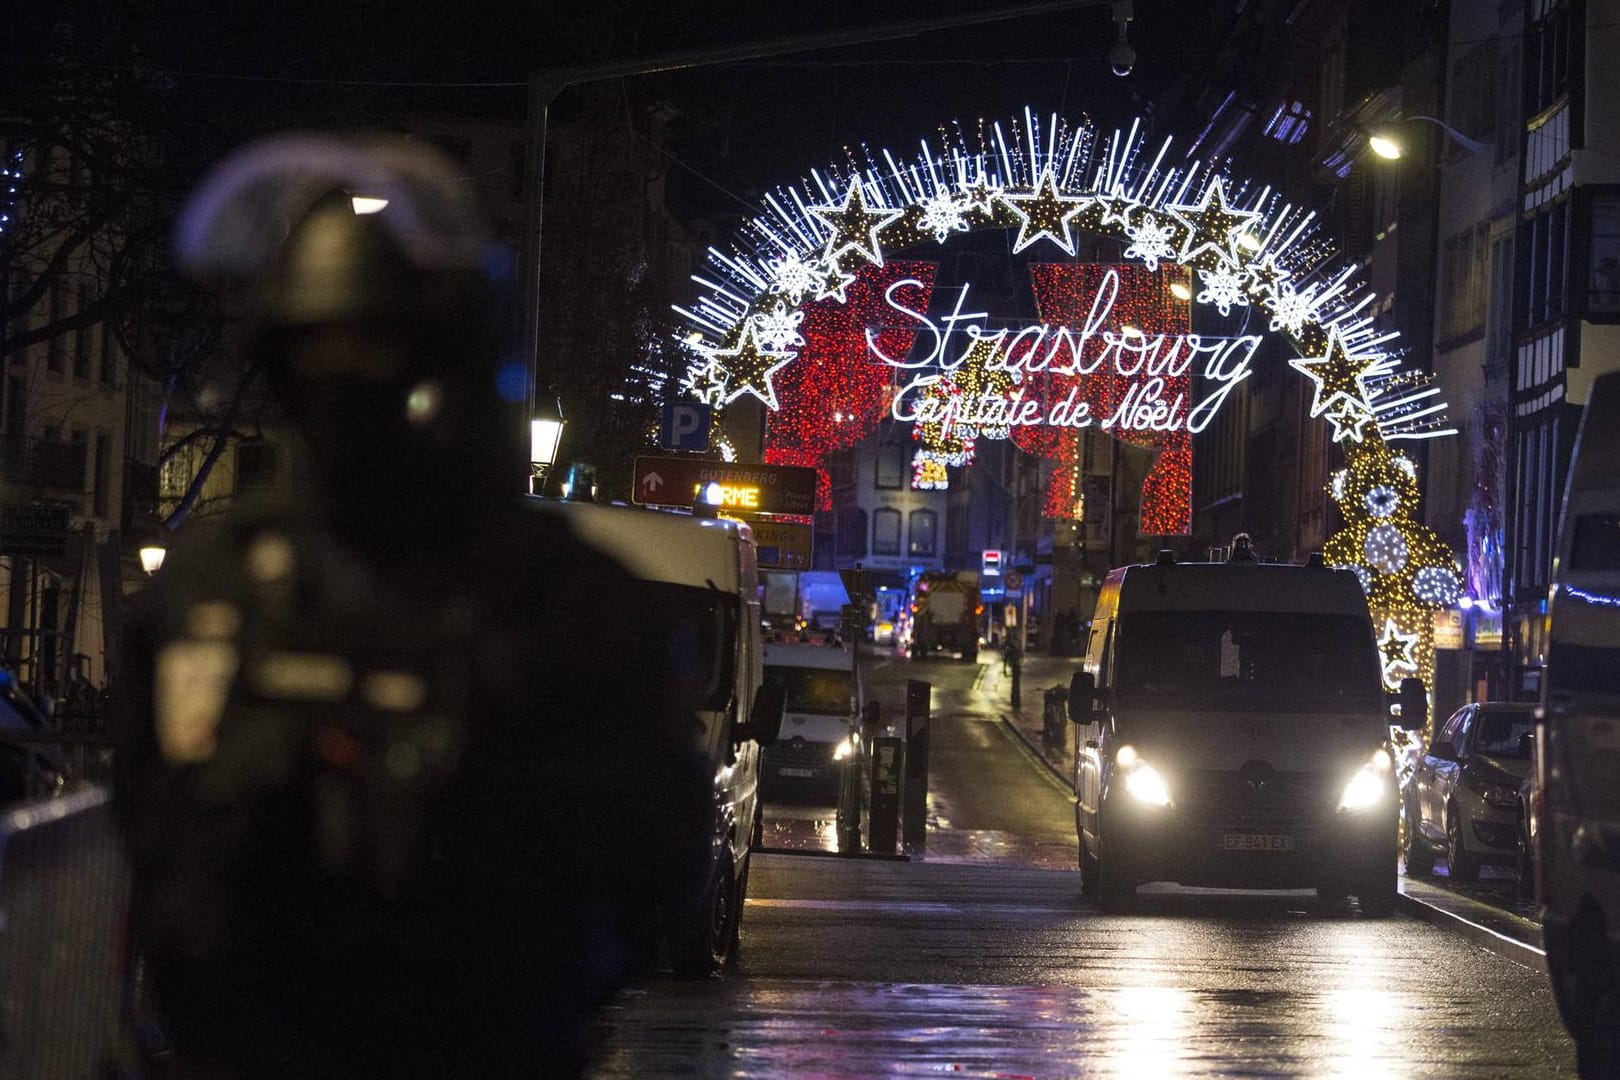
x=408 y=780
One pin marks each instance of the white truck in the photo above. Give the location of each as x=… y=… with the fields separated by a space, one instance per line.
x=1577 y=746
x=1233 y=731
x=819 y=722
x=701 y=575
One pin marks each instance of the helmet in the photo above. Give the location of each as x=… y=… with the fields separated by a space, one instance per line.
x=371 y=287
x=312 y=230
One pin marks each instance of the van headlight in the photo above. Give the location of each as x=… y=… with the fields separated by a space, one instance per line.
x=1142 y=780
x=1369 y=784
x=843 y=750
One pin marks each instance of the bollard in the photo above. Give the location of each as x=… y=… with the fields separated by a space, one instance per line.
x=915 y=801
x=1054 y=729
x=849 y=797
x=883 y=830
x=1017 y=680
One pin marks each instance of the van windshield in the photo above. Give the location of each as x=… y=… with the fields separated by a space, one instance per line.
x=699 y=630
x=818 y=691
x=1218 y=661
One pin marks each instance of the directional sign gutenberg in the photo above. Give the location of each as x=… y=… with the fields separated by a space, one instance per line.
x=745 y=489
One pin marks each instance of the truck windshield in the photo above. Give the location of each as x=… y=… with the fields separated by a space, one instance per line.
x=1217 y=661
x=699 y=636
x=819 y=691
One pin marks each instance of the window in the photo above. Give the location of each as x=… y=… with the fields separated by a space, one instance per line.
x=1545 y=270
x=83 y=338
x=886 y=531
x=891 y=467
x=924 y=524
x=1472 y=100
x=56 y=347
x=101 y=474
x=851 y=542
x=1603 y=270
x=109 y=355
x=1464 y=266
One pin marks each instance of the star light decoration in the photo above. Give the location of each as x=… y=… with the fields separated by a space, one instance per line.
x=1044 y=213
x=747 y=367
x=854 y=226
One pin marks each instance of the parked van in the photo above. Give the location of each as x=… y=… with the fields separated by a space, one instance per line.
x=1577 y=746
x=703 y=573
x=820 y=729
x=1234 y=732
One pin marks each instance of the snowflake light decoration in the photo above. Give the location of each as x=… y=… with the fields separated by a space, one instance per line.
x=779 y=328
x=1291 y=309
x=1223 y=287
x=1150 y=241
x=943 y=214
x=792 y=277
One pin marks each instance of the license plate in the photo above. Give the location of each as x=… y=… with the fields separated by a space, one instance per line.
x=798 y=772
x=1255 y=842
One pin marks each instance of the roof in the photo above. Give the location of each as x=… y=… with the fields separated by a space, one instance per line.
x=661 y=545
x=1239 y=586
x=798 y=654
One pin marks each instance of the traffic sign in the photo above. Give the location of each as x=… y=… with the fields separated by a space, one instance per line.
x=36 y=530
x=782 y=545
x=744 y=489
x=1015 y=581
x=685 y=426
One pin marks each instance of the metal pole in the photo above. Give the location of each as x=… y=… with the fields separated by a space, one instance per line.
x=915 y=826
x=543 y=90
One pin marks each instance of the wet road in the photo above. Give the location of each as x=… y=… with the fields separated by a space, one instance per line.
x=981 y=959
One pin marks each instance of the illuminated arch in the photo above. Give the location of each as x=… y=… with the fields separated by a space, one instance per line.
x=781 y=314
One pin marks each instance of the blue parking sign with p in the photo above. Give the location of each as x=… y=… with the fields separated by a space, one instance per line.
x=685 y=426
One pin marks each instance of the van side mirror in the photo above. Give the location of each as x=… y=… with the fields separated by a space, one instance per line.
x=764 y=722
x=1082 y=697
x=871 y=717
x=1414 y=700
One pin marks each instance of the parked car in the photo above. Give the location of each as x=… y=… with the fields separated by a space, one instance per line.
x=1463 y=801
x=29 y=767
x=1529 y=826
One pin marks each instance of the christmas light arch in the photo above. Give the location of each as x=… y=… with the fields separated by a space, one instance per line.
x=788 y=315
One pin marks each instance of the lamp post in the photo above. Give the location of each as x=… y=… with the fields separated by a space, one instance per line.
x=1385 y=140
x=545 y=435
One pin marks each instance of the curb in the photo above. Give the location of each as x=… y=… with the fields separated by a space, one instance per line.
x=1443 y=917
x=1506 y=945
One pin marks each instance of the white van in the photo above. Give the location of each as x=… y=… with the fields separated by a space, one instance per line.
x=1234 y=732
x=1577 y=747
x=703 y=573
x=819 y=725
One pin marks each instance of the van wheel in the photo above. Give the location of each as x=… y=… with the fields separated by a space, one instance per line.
x=1089 y=878
x=1376 y=890
x=706 y=935
x=1419 y=855
x=1461 y=865
x=1116 y=893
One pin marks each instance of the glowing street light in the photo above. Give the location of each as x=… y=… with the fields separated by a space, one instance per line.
x=545 y=435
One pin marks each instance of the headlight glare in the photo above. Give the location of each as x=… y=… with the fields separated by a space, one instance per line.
x=843 y=750
x=1366 y=788
x=1146 y=785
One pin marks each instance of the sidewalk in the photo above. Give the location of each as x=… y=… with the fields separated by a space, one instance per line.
x=1507 y=933
x=1038 y=673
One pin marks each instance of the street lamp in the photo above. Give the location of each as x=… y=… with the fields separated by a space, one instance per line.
x=1385 y=141
x=152 y=557
x=545 y=435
